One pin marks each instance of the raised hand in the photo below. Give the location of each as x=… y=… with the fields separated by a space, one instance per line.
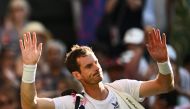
x=30 y=51
x=156 y=46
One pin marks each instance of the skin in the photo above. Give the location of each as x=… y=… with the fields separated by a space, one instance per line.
x=90 y=74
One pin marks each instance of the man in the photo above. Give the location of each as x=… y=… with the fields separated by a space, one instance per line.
x=85 y=67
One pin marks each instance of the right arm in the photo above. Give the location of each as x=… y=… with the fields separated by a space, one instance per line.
x=30 y=56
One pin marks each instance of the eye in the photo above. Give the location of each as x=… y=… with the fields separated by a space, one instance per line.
x=88 y=65
x=96 y=62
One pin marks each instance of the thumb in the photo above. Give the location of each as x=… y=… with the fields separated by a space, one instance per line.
x=148 y=48
x=40 y=47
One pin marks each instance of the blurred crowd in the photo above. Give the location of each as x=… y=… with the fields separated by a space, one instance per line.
x=115 y=29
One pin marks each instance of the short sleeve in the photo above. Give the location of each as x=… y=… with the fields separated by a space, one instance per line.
x=59 y=103
x=65 y=102
x=132 y=87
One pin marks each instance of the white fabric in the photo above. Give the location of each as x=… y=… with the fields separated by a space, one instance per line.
x=127 y=57
x=143 y=66
x=129 y=86
x=185 y=85
x=185 y=78
x=29 y=73
x=125 y=100
x=171 y=52
x=134 y=36
x=110 y=102
x=165 y=68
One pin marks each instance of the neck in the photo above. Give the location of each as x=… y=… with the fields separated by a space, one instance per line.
x=98 y=91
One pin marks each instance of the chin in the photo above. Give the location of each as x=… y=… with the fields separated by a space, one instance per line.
x=100 y=79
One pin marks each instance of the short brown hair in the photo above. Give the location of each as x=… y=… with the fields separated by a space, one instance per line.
x=76 y=52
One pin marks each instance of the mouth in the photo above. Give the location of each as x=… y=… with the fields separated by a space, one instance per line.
x=97 y=74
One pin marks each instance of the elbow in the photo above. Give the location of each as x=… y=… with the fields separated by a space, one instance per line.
x=166 y=83
x=27 y=104
x=28 y=107
x=24 y=106
x=167 y=87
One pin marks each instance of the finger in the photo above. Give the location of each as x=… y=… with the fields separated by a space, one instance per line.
x=148 y=47
x=146 y=33
x=25 y=41
x=164 y=38
x=158 y=36
x=40 y=47
x=29 y=39
x=27 y=36
x=34 y=39
x=155 y=35
x=21 y=45
x=152 y=37
x=148 y=38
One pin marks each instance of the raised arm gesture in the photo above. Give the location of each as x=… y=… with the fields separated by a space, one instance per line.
x=164 y=82
x=31 y=52
x=156 y=46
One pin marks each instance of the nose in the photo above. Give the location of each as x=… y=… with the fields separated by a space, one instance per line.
x=97 y=66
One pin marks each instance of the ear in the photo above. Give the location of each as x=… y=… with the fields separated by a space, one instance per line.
x=77 y=75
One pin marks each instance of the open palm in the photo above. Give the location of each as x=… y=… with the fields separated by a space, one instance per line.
x=156 y=46
x=30 y=51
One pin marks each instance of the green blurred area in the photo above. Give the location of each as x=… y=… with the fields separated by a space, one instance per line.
x=180 y=30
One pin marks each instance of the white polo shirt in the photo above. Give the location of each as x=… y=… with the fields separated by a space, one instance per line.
x=129 y=86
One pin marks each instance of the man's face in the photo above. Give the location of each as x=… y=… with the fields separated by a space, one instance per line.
x=18 y=14
x=8 y=60
x=90 y=69
x=54 y=57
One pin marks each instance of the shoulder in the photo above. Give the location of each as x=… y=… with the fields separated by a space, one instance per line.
x=125 y=84
x=131 y=87
x=64 y=102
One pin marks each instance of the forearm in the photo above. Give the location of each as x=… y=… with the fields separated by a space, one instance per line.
x=161 y=84
x=28 y=91
x=165 y=76
x=30 y=55
x=165 y=82
x=28 y=95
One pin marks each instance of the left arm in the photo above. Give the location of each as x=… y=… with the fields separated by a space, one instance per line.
x=164 y=81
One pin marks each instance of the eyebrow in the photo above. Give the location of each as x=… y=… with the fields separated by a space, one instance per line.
x=88 y=65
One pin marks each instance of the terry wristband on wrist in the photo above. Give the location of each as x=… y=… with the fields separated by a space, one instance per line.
x=165 y=68
x=29 y=73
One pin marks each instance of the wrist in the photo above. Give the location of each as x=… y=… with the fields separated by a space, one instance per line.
x=29 y=73
x=29 y=63
x=165 y=68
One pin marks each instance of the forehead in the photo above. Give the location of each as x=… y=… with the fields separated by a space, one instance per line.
x=84 y=60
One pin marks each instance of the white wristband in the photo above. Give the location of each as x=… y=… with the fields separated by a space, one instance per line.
x=29 y=73
x=165 y=68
